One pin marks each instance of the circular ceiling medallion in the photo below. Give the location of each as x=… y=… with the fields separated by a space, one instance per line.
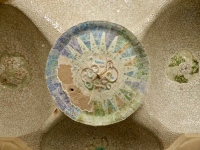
x=97 y=73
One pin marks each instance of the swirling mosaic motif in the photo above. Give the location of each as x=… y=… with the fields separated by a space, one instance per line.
x=97 y=73
x=93 y=78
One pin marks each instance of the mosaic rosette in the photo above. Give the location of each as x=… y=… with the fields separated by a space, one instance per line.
x=15 y=70
x=97 y=73
x=183 y=67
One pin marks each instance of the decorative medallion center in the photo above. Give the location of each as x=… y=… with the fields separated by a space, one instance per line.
x=100 y=75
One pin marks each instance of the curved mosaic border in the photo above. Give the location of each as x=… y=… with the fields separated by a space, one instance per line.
x=60 y=96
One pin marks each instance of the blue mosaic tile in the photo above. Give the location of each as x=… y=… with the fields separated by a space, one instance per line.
x=66 y=52
x=60 y=103
x=53 y=55
x=85 y=37
x=97 y=36
x=85 y=26
x=50 y=72
x=75 y=30
x=109 y=38
x=52 y=64
x=53 y=86
x=58 y=46
x=128 y=52
x=74 y=44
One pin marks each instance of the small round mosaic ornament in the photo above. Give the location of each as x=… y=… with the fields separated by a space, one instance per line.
x=97 y=73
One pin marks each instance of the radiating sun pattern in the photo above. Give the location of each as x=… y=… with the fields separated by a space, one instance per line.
x=97 y=73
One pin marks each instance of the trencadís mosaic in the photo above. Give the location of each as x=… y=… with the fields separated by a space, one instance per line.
x=183 y=67
x=97 y=73
x=15 y=70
